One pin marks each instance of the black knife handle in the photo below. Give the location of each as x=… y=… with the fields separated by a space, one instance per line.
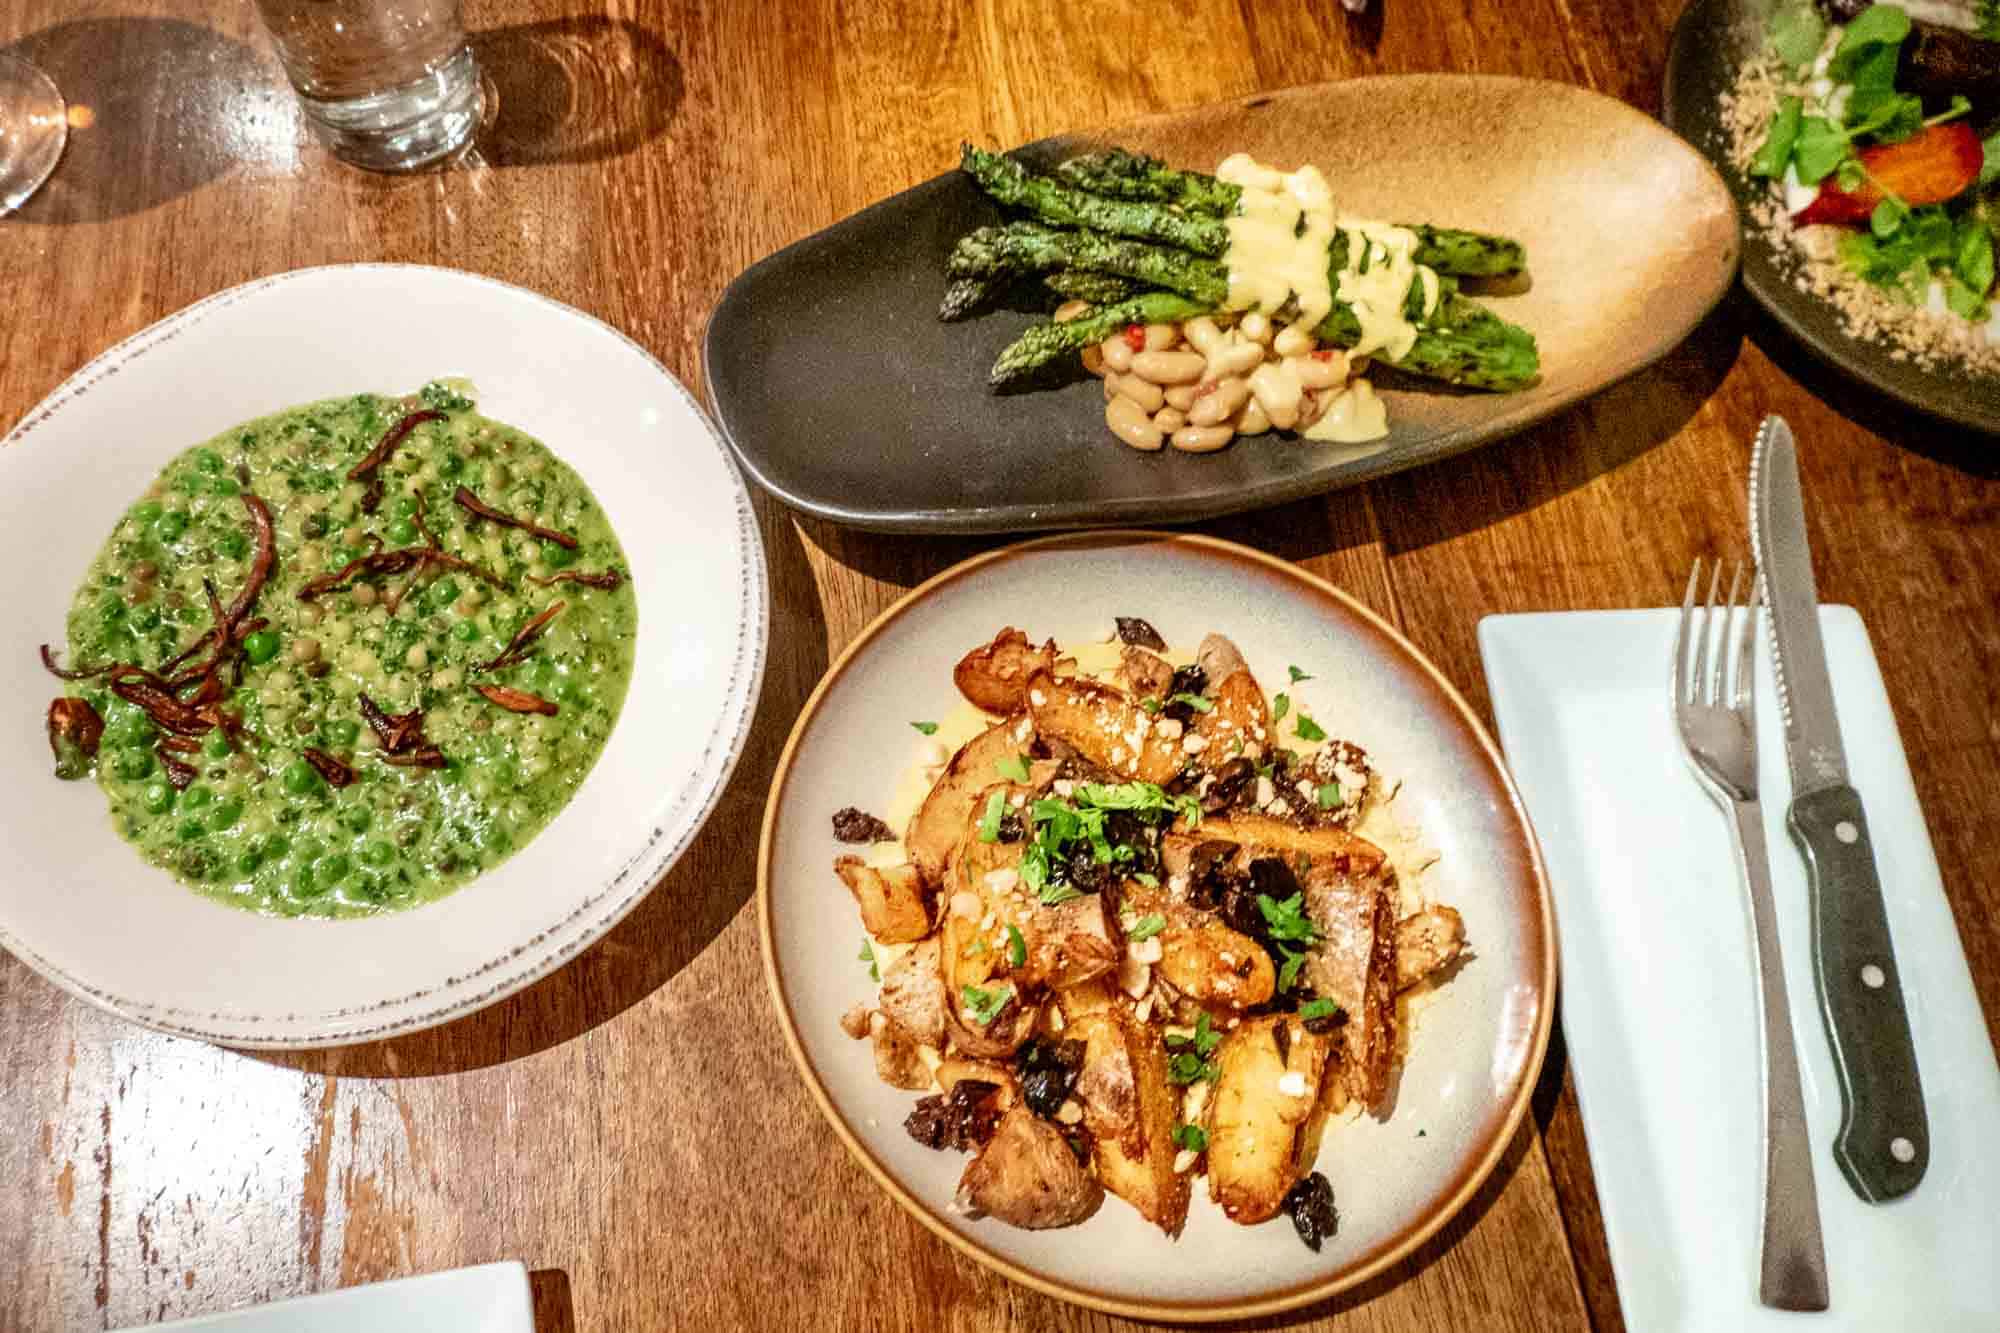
x=1884 y=1141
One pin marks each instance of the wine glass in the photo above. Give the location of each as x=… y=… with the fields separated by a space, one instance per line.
x=34 y=125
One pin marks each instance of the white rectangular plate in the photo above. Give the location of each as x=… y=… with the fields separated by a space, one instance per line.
x=492 y=1298
x=1657 y=1004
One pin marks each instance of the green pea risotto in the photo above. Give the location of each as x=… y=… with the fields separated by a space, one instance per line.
x=339 y=660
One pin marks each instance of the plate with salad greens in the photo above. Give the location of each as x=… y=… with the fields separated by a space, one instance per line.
x=1863 y=144
x=1219 y=308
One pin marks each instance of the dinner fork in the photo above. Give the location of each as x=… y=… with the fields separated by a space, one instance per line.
x=1715 y=713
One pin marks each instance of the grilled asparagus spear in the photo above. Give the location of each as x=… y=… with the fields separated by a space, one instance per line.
x=1081 y=284
x=1043 y=343
x=1130 y=191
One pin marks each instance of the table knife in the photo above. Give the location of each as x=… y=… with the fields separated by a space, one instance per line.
x=1884 y=1140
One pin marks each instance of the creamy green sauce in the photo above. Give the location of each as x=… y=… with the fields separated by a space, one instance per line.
x=260 y=828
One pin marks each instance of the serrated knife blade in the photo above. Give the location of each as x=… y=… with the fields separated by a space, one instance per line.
x=1883 y=1146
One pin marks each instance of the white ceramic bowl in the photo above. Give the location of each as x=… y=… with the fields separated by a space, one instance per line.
x=1480 y=1039
x=80 y=906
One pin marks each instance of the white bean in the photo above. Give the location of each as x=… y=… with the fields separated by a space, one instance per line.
x=1219 y=403
x=1093 y=359
x=1117 y=352
x=1159 y=337
x=1069 y=310
x=1201 y=332
x=1317 y=374
x=1128 y=421
x=1168 y=367
x=1202 y=439
x=1253 y=421
x=1181 y=397
x=1256 y=326
x=1143 y=392
x=1234 y=357
x=1292 y=340
x=1313 y=406
x=1169 y=419
x=1111 y=382
x=1278 y=392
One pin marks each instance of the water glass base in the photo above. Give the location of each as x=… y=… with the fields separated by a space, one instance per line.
x=405 y=128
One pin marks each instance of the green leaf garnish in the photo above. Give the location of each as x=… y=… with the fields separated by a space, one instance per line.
x=1151 y=881
x=1320 y=1008
x=868 y=957
x=1017 y=948
x=1287 y=920
x=1784 y=132
x=1297 y=675
x=1014 y=768
x=1329 y=795
x=1194 y=701
x=1888 y=217
x=928 y=728
x=1308 y=730
x=983 y=1006
x=1191 y=1137
x=1150 y=704
x=1288 y=975
x=1797 y=32
x=1280 y=705
x=1186 y=1067
x=1146 y=927
x=989 y=823
x=1874 y=32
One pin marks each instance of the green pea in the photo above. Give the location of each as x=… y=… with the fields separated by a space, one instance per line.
x=452 y=773
x=378 y=853
x=223 y=486
x=444 y=592
x=451 y=465
x=307 y=851
x=402 y=532
x=217 y=745
x=111 y=610
x=144 y=618
x=404 y=506
x=208 y=460
x=356 y=819
x=332 y=870
x=194 y=798
x=262 y=646
x=248 y=861
x=343 y=731
x=233 y=544
x=170 y=525
x=146 y=511
x=465 y=631
x=134 y=729
x=305 y=884
x=190 y=830
x=134 y=765
x=299 y=777
x=557 y=557
x=225 y=814
x=274 y=846
x=160 y=798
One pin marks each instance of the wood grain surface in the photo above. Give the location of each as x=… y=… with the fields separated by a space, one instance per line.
x=631 y=1127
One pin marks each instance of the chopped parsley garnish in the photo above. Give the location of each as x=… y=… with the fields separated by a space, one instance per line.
x=989 y=823
x=1204 y=1039
x=868 y=957
x=1288 y=924
x=1146 y=927
x=1150 y=704
x=1308 y=730
x=1191 y=1137
x=928 y=728
x=1280 y=706
x=1329 y=795
x=1187 y=1067
x=1062 y=830
x=1288 y=974
x=1014 y=768
x=979 y=946
x=1320 y=1008
x=1297 y=675
x=1194 y=701
x=983 y=1006
x=1017 y=948
x=1148 y=879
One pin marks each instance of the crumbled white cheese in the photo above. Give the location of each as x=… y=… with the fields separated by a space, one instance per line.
x=1169 y=727
x=1064 y=788
x=1292 y=1083
x=1134 y=977
x=1266 y=793
x=1038 y=699
x=1146 y=950
x=1195 y=743
x=1279 y=808
x=1003 y=880
x=967 y=904
x=1184 y=1159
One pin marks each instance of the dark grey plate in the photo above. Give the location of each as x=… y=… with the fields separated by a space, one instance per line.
x=842 y=394
x=1710 y=43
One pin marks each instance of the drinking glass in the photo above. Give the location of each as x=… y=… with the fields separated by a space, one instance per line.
x=390 y=85
x=34 y=125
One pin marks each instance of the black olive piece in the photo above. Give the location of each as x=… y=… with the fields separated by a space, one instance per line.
x=1239 y=911
x=852 y=825
x=1011 y=828
x=1310 y=1206
x=1273 y=877
x=1231 y=781
x=1140 y=634
x=1325 y=1023
x=1190 y=679
x=963 y=1118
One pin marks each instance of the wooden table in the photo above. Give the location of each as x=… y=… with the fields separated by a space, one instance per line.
x=642 y=156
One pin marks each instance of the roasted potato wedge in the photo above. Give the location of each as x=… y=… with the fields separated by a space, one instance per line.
x=1144 y=674
x=1219 y=658
x=897 y=1060
x=913 y=993
x=1086 y=998
x=1203 y=959
x=1240 y=717
x=939 y=823
x=1104 y=725
x=1427 y=942
x=1027 y=1176
x=1260 y=836
x=1069 y=944
x=895 y=908
x=1354 y=965
x=1131 y=1109
x=994 y=676
x=1259 y=1109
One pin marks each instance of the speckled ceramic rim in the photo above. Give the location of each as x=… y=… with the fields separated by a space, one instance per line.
x=1531 y=897
x=546 y=947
